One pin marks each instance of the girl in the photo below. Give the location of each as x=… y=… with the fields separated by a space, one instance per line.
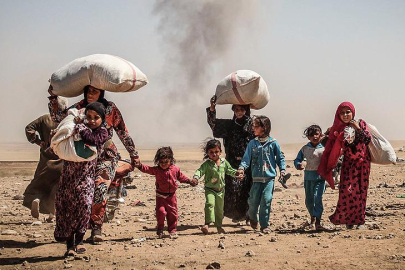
x=214 y=169
x=76 y=186
x=355 y=171
x=236 y=134
x=262 y=154
x=108 y=161
x=166 y=174
x=308 y=159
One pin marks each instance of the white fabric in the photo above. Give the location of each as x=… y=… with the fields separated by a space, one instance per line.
x=62 y=142
x=102 y=71
x=250 y=86
x=381 y=150
x=349 y=134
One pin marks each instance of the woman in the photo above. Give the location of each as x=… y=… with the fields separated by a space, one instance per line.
x=236 y=134
x=355 y=171
x=107 y=163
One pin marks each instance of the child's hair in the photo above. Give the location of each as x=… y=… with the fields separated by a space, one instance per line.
x=208 y=144
x=164 y=152
x=311 y=130
x=264 y=122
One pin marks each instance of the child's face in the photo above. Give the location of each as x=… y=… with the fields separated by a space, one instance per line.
x=94 y=120
x=346 y=115
x=214 y=153
x=258 y=129
x=164 y=163
x=239 y=111
x=315 y=138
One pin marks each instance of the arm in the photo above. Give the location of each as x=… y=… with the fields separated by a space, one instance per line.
x=98 y=137
x=245 y=163
x=30 y=132
x=279 y=158
x=120 y=128
x=200 y=172
x=363 y=135
x=229 y=170
x=298 y=160
x=147 y=169
x=182 y=177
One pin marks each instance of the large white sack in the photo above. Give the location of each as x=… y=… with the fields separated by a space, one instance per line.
x=102 y=71
x=381 y=150
x=62 y=142
x=243 y=87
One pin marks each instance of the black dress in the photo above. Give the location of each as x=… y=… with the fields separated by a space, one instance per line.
x=235 y=136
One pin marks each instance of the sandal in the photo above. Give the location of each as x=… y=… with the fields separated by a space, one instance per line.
x=71 y=252
x=254 y=224
x=319 y=227
x=80 y=249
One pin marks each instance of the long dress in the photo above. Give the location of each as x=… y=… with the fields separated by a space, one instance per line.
x=45 y=182
x=74 y=197
x=235 y=137
x=354 y=180
x=108 y=162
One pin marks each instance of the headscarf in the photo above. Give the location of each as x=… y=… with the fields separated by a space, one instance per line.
x=98 y=108
x=101 y=98
x=334 y=145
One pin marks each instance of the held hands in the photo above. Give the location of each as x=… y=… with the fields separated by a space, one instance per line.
x=193 y=182
x=301 y=167
x=213 y=101
x=135 y=162
x=240 y=175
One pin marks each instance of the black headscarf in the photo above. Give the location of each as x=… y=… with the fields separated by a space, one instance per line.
x=98 y=108
x=247 y=113
x=101 y=98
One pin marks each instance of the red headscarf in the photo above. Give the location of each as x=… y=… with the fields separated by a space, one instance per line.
x=334 y=145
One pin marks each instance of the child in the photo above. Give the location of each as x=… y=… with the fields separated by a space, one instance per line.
x=166 y=174
x=214 y=169
x=308 y=159
x=262 y=154
x=76 y=186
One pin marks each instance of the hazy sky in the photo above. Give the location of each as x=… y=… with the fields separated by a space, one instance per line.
x=312 y=54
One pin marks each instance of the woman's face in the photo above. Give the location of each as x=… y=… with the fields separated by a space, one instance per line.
x=94 y=120
x=92 y=94
x=346 y=115
x=239 y=111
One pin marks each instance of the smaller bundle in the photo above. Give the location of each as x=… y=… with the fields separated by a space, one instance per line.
x=380 y=148
x=243 y=87
x=68 y=146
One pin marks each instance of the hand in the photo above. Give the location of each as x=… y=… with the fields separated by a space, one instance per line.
x=135 y=162
x=301 y=167
x=213 y=101
x=354 y=124
x=50 y=91
x=240 y=175
x=282 y=174
x=193 y=182
x=78 y=120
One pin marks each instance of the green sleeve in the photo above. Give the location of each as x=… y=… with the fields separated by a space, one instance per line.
x=229 y=170
x=200 y=172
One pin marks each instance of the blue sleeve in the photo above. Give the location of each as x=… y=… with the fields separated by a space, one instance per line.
x=245 y=163
x=279 y=157
x=298 y=160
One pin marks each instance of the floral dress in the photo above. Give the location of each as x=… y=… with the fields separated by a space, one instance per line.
x=354 y=180
x=73 y=202
x=235 y=137
x=108 y=161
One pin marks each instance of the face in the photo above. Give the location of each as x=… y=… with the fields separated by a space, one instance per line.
x=315 y=138
x=258 y=129
x=94 y=120
x=346 y=115
x=164 y=163
x=92 y=94
x=239 y=111
x=214 y=153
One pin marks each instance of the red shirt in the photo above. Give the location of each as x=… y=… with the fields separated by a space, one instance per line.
x=166 y=180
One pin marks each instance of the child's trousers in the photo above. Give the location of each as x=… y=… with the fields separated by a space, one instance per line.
x=214 y=207
x=167 y=207
x=314 y=190
x=261 y=194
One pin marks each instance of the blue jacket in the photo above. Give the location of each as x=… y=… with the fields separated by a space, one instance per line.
x=262 y=159
x=313 y=156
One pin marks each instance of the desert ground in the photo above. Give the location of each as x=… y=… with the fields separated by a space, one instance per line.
x=131 y=243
